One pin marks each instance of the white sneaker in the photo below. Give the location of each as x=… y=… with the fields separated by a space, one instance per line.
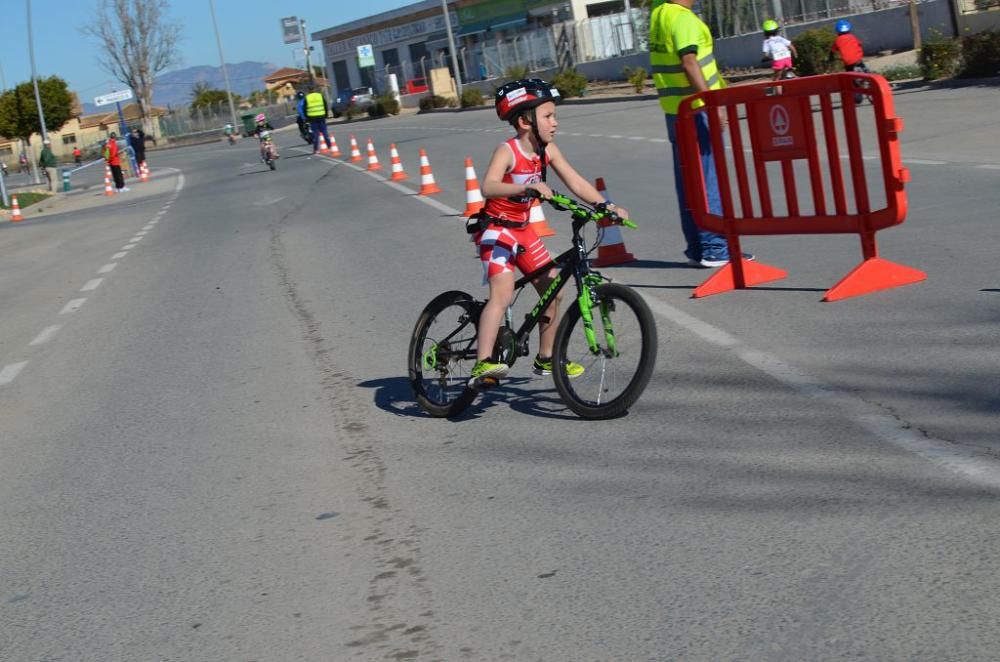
x=124 y=189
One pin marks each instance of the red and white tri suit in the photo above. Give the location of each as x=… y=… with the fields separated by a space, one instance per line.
x=499 y=245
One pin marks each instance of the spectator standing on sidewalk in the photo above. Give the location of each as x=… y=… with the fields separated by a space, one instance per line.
x=114 y=162
x=48 y=161
x=77 y=155
x=138 y=140
x=680 y=52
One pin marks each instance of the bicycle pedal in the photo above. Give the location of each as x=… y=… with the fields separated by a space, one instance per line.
x=484 y=383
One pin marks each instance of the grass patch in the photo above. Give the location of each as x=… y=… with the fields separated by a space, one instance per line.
x=24 y=199
x=901 y=72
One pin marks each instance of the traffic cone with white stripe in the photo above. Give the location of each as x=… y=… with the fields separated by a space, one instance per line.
x=15 y=210
x=355 y=152
x=143 y=172
x=537 y=220
x=334 y=150
x=427 y=183
x=108 y=191
x=612 y=248
x=398 y=174
x=473 y=196
x=373 y=163
x=323 y=149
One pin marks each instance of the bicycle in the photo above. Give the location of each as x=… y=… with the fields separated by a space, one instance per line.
x=268 y=147
x=618 y=357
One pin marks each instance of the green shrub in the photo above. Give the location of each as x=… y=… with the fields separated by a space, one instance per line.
x=435 y=101
x=471 y=97
x=384 y=104
x=813 y=49
x=900 y=72
x=515 y=72
x=981 y=55
x=636 y=77
x=570 y=83
x=939 y=56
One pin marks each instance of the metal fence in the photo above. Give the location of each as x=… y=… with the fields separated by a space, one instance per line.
x=186 y=120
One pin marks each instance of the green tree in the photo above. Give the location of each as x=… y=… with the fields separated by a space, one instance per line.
x=204 y=98
x=19 y=112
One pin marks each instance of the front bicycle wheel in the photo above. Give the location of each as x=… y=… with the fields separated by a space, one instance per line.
x=443 y=352
x=615 y=376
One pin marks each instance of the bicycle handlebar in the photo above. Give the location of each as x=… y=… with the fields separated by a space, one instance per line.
x=584 y=211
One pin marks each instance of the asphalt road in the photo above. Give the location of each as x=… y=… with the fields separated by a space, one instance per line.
x=210 y=451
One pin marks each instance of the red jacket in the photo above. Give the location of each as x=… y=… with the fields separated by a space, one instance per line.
x=849 y=48
x=111 y=152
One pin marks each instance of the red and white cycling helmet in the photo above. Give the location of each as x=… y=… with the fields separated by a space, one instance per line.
x=523 y=94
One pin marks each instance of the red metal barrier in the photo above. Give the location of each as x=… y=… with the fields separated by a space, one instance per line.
x=798 y=125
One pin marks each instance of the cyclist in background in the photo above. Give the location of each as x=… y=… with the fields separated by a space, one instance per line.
x=850 y=50
x=260 y=126
x=505 y=238
x=779 y=50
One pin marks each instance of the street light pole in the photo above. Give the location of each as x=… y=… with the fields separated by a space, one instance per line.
x=38 y=98
x=222 y=61
x=305 y=49
x=451 y=46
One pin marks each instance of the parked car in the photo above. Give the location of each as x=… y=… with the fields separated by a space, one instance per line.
x=359 y=97
x=416 y=85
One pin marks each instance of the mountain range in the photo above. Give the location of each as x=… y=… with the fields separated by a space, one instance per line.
x=174 y=87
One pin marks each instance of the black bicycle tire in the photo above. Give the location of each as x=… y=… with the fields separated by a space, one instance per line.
x=413 y=355
x=647 y=359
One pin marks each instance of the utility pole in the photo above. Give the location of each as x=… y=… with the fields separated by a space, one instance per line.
x=451 y=46
x=305 y=48
x=222 y=61
x=38 y=98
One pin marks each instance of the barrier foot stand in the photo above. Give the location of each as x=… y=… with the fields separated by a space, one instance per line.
x=872 y=275
x=725 y=278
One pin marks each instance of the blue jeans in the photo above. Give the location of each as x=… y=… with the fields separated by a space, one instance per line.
x=318 y=125
x=700 y=243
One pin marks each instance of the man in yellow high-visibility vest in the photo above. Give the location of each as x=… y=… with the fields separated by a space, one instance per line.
x=680 y=52
x=315 y=109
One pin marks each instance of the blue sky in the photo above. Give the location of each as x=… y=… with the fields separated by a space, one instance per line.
x=249 y=29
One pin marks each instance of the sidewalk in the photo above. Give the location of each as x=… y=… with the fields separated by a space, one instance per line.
x=90 y=197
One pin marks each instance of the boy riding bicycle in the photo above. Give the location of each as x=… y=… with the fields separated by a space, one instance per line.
x=514 y=177
x=260 y=126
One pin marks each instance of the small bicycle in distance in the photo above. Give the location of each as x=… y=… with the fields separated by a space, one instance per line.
x=268 y=143
x=610 y=332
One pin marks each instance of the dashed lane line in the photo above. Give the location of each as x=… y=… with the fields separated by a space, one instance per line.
x=107 y=268
x=46 y=334
x=11 y=371
x=92 y=285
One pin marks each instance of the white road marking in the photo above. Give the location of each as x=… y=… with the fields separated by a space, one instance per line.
x=136 y=238
x=923 y=162
x=594 y=135
x=10 y=372
x=107 y=268
x=92 y=285
x=128 y=247
x=989 y=166
x=975 y=466
x=636 y=138
x=120 y=255
x=147 y=227
x=72 y=306
x=616 y=137
x=142 y=233
x=46 y=335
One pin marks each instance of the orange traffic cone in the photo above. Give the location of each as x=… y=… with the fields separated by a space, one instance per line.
x=612 y=248
x=334 y=150
x=373 y=163
x=537 y=220
x=323 y=149
x=355 y=152
x=143 y=172
x=473 y=196
x=427 y=183
x=398 y=174
x=107 y=182
x=15 y=210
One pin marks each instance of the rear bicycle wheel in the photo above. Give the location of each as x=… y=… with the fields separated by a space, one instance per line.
x=442 y=353
x=614 y=377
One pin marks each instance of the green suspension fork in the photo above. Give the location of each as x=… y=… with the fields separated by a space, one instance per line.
x=586 y=304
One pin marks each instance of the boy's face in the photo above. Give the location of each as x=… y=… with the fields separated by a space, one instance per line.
x=545 y=119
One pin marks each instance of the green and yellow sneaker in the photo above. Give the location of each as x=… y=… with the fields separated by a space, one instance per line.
x=544 y=367
x=488 y=368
